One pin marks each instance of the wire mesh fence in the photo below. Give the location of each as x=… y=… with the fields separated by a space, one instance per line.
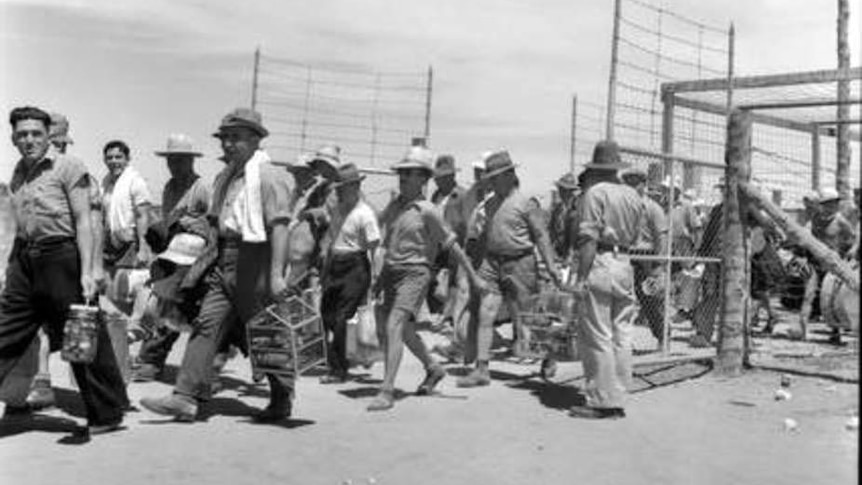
x=372 y=115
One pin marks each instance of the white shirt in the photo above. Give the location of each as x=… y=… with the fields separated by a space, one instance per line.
x=355 y=232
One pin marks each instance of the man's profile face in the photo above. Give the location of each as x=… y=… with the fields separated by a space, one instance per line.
x=238 y=143
x=116 y=161
x=31 y=139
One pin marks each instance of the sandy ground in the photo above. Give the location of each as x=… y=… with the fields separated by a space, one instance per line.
x=707 y=430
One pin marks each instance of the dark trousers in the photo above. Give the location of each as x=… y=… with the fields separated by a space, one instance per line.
x=651 y=306
x=41 y=282
x=236 y=291
x=345 y=288
x=709 y=304
x=157 y=346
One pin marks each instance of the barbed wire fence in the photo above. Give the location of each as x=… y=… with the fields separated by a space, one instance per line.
x=371 y=115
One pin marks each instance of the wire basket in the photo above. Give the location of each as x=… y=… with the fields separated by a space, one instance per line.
x=548 y=325
x=287 y=338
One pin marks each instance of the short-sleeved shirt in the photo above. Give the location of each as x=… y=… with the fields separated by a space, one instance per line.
x=611 y=214
x=454 y=211
x=274 y=193
x=654 y=231
x=355 y=231
x=139 y=195
x=41 y=195
x=415 y=232
x=184 y=198
x=507 y=227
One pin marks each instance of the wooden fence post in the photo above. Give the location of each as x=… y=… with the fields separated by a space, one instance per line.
x=731 y=331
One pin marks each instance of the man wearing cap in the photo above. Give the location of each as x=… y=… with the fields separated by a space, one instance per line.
x=249 y=218
x=652 y=240
x=414 y=234
x=353 y=237
x=185 y=202
x=127 y=202
x=611 y=216
x=513 y=228
x=564 y=216
x=50 y=267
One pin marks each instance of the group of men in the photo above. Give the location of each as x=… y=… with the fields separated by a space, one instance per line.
x=266 y=231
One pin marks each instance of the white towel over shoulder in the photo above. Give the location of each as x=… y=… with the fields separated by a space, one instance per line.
x=246 y=216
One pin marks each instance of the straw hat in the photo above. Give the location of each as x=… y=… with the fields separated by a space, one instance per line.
x=179 y=144
x=567 y=182
x=184 y=249
x=828 y=194
x=416 y=157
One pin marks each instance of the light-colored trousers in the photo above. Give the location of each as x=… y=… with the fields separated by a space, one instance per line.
x=607 y=313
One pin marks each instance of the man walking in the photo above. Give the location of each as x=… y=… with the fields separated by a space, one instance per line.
x=185 y=202
x=353 y=237
x=51 y=265
x=246 y=258
x=415 y=232
x=512 y=230
x=449 y=198
x=611 y=215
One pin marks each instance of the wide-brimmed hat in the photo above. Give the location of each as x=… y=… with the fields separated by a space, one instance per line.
x=633 y=172
x=59 y=129
x=184 y=249
x=606 y=156
x=444 y=166
x=327 y=158
x=828 y=194
x=243 y=117
x=811 y=196
x=348 y=174
x=416 y=157
x=497 y=163
x=567 y=182
x=179 y=144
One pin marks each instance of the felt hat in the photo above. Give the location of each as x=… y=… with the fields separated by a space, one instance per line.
x=498 y=162
x=243 y=117
x=444 y=166
x=179 y=144
x=606 y=156
x=416 y=157
x=59 y=129
x=348 y=173
x=567 y=182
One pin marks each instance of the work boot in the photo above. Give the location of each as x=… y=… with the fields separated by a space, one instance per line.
x=476 y=378
x=182 y=408
x=41 y=394
x=145 y=372
x=432 y=377
x=280 y=405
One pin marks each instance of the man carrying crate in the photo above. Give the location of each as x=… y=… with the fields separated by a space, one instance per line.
x=611 y=215
x=512 y=230
x=244 y=262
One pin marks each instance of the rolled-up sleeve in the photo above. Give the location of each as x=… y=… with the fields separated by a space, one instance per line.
x=275 y=195
x=140 y=192
x=438 y=230
x=74 y=177
x=591 y=217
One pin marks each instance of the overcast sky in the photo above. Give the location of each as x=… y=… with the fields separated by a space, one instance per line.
x=505 y=70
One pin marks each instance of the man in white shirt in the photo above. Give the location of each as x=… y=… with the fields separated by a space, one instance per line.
x=353 y=236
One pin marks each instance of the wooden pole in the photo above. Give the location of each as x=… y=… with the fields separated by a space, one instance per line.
x=815 y=158
x=612 y=78
x=428 y=90
x=827 y=258
x=731 y=331
x=842 y=168
x=573 y=139
x=254 y=78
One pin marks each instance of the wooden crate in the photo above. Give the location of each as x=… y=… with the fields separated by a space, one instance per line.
x=287 y=338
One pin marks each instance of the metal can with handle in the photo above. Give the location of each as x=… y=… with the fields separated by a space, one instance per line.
x=81 y=334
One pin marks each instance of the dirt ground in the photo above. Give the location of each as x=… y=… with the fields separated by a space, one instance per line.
x=705 y=430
